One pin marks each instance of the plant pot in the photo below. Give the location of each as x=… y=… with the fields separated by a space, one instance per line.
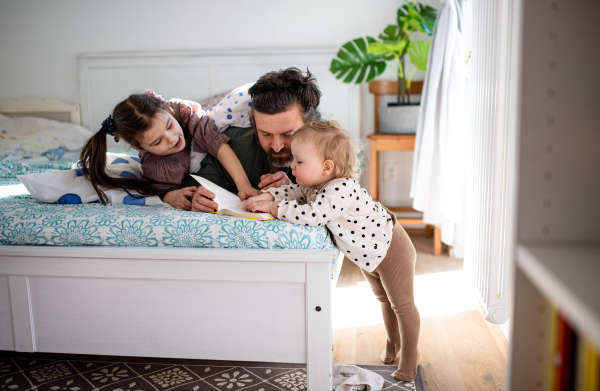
x=398 y=119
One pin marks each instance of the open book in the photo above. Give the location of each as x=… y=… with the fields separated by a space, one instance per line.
x=229 y=203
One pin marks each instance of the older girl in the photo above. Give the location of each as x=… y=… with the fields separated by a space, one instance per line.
x=163 y=132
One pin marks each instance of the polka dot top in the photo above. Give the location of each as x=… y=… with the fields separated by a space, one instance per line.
x=361 y=228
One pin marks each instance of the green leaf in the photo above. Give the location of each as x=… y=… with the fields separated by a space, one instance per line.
x=417 y=17
x=391 y=33
x=429 y=15
x=354 y=58
x=380 y=48
x=419 y=53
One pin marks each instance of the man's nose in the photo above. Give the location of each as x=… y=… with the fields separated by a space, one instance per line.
x=277 y=143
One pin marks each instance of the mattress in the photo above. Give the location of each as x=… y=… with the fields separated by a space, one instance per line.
x=24 y=221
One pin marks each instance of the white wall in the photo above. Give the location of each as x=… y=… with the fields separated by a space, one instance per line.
x=40 y=39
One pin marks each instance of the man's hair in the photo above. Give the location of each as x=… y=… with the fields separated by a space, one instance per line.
x=332 y=143
x=278 y=92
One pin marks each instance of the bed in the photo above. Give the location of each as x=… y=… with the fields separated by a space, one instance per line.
x=152 y=281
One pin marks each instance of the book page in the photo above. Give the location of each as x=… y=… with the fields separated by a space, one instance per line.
x=229 y=203
x=223 y=197
x=238 y=210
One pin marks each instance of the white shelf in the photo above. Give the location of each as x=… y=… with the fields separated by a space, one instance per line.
x=569 y=276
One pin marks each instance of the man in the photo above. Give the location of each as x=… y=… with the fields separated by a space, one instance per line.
x=282 y=102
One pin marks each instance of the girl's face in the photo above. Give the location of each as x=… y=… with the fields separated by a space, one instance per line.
x=309 y=168
x=165 y=137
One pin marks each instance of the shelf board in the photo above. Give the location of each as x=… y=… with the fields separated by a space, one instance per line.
x=569 y=276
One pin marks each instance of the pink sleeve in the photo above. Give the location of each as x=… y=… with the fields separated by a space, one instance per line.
x=207 y=137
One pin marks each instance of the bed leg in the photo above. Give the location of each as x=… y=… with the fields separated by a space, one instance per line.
x=20 y=303
x=318 y=326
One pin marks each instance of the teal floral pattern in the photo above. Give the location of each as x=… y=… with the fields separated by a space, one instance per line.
x=295 y=240
x=26 y=221
x=77 y=233
x=241 y=233
x=131 y=233
x=187 y=233
x=10 y=170
x=22 y=233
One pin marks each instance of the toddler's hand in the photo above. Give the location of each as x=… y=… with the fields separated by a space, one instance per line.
x=247 y=192
x=181 y=198
x=264 y=197
x=256 y=205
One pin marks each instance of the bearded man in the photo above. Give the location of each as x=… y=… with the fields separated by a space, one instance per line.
x=282 y=102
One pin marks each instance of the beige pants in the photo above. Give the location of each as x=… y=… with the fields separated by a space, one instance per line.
x=392 y=283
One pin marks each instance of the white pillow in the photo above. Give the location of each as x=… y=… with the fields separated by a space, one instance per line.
x=70 y=187
x=70 y=135
x=233 y=110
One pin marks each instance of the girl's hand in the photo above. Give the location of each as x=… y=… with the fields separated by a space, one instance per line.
x=181 y=198
x=246 y=192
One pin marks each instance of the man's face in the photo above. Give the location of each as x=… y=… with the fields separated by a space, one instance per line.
x=275 y=134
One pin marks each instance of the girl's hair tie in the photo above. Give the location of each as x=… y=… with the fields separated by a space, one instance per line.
x=108 y=126
x=155 y=95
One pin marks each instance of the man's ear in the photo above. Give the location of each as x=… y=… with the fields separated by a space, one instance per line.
x=328 y=166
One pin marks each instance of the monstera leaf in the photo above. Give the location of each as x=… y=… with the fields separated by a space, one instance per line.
x=417 y=16
x=392 y=32
x=354 y=57
x=419 y=54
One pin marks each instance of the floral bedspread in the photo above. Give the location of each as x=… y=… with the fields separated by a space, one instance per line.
x=10 y=170
x=25 y=221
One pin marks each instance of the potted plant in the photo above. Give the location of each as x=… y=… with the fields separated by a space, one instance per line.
x=363 y=59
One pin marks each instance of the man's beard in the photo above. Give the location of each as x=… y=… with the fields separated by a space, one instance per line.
x=280 y=161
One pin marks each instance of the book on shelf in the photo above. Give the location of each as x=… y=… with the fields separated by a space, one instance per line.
x=229 y=203
x=576 y=361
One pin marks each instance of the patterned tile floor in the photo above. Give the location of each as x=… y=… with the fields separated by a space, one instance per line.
x=62 y=372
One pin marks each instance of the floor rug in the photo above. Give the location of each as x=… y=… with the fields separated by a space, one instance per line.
x=70 y=372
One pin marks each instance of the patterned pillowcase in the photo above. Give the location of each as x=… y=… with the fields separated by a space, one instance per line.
x=70 y=187
x=233 y=110
x=212 y=101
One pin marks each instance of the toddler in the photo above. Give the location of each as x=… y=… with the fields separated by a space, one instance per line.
x=327 y=193
x=169 y=135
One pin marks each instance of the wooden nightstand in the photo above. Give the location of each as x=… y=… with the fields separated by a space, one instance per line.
x=395 y=142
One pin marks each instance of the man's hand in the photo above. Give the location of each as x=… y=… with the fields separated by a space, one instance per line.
x=274 y=180
x=247 y=192
x=180 y=198
x=203 y=201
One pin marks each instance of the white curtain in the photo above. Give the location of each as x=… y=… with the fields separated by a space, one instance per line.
x=439 y=163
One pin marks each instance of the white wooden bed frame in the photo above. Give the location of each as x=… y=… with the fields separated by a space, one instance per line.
x=228 y=304
x=223 y=304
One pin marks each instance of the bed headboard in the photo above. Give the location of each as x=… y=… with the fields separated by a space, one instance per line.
x=107 y=78
x=46 y=108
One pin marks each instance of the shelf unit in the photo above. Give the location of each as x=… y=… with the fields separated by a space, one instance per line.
x=558 y=217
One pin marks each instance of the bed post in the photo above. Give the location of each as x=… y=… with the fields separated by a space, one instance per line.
x=20 y=303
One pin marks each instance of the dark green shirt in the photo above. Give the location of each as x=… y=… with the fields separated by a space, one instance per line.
x=246 y=146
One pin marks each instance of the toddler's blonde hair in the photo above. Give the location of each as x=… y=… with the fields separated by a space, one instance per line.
x=332 y=143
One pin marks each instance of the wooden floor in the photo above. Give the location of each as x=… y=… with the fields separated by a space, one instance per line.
x=458 y=351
